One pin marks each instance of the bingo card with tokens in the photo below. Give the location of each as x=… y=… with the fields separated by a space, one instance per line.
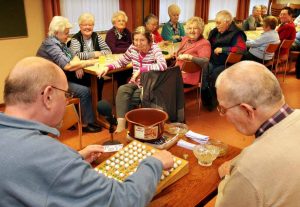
x=125 y=162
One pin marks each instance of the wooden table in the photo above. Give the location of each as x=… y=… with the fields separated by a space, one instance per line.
x=194 y=189
x=171 y=48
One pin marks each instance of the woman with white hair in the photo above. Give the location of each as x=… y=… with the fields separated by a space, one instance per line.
x=118 y=38
x=192 y=47
x=173 y=30
x=54 y=48
x=87 y=44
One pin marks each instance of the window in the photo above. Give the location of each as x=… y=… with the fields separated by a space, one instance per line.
x=216 y=5
x=257 y=2
x=187 y=10
x=102 y=10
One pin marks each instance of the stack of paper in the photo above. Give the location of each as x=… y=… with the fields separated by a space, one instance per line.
x=200 y=138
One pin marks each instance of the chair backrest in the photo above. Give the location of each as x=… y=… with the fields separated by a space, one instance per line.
x=190 y=67
x=285 y=45
x=70 y=118
x=233 y=58
x=271 y=48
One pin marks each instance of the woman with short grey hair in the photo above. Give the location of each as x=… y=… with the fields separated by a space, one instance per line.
x=54 y=48
x=87 y=44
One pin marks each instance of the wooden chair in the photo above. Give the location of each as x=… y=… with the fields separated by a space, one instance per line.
x=71 y=117
x=271 y=48
x=233 y=58
x=283 y=59
x=191 y=67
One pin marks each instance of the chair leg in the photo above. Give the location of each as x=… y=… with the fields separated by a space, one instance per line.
x=285 y=69
x=198 y=100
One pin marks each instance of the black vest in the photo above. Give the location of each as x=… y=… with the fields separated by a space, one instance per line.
x=223 y=40
x=94 y=37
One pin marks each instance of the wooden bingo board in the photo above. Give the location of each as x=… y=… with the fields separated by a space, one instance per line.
x=125 y=162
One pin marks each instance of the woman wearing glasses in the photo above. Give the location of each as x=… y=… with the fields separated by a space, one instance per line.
x=87 y=44
x=118 y=38
x=54 y=48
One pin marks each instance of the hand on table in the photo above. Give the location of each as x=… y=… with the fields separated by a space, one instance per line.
x=166 y=158
x=79 y=73
x=97 y=54
x=102 y=71
x=91 y=152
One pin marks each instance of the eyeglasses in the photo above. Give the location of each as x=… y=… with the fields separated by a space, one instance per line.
x=222 y=110
x=68 y=94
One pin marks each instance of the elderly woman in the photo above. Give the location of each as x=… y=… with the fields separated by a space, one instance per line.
x=254 y=20
x=192 y=47
x=118 y=38
x=151 y=24
x=87 y=44
x=258 y=46
x=173 y=30
x=145 y=56
x=225 y=38
x=54 y=49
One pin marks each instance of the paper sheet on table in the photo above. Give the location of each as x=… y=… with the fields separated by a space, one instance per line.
x=200 y=138
x=185 y=144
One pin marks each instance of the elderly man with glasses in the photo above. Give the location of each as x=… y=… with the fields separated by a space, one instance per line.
x=266 y=173
x=38 y=170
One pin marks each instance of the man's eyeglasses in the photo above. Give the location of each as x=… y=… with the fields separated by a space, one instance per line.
x=67 y=93
x=222 y=110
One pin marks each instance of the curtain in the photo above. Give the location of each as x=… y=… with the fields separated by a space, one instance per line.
x=202 y=9
x=51 y=8
x=72 y=9
x=129 y=7
x=243 y=11
x=154 y=7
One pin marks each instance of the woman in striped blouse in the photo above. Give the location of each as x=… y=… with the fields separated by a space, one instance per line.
x=87 y=44
x=145 y=56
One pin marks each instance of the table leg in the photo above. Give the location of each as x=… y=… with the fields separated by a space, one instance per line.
x=94 y=91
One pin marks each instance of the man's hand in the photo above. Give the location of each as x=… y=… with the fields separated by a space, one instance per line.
x=102 y=71
x=79 y=73
x=166 y=158
x=224 y=169
x=91 y=152
x=218 y=50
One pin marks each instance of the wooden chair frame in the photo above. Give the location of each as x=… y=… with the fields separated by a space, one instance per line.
x=233 y=58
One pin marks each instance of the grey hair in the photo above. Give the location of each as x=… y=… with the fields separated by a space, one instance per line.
x=256 y=7
x=58 y=24
x=173 y=8
x=86 y=16
x=116 y=14
x=199 y=22
x=27 y=80
x=225 y=16
x=251 y=83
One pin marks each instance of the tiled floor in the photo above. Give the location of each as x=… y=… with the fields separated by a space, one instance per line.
x=209 y=123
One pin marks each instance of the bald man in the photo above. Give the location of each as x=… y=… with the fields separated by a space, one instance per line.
x=37 y=170
x=267 y=172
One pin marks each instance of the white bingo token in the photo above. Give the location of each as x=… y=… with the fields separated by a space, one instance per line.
x=108 y=162
x=179 y=162
x=107 y=168
x=130 y=162
x=126 y=165
x=122 y=163
x=121 y=175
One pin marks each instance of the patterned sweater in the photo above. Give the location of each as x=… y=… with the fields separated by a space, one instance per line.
x=153 y=60
x=88 y=52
